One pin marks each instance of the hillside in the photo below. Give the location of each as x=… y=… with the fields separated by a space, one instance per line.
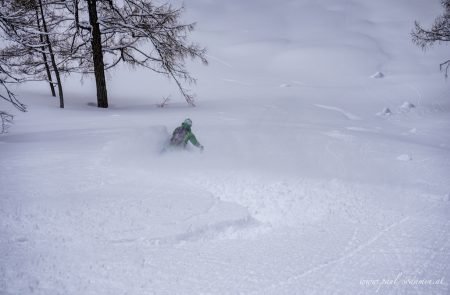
x=307 y=185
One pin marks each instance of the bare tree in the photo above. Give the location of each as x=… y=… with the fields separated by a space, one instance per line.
x=5 y=121
x=131 y=31
x=48 y=44
x=44 y=54
x=93 y=36
x=7 y=95
x=25 y=24
x=439 y=32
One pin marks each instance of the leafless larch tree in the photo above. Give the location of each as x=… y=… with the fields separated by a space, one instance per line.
x=49 y=37
x=107 y=32
x=439 y=32
x=29 y=26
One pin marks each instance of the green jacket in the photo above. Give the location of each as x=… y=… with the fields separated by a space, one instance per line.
x=182 y=135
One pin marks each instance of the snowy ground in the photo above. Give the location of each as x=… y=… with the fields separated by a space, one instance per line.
x=306 y=186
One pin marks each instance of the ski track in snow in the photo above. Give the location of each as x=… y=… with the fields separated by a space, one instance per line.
x=231 y=206
x=348 y=115
x=221 y=61
x=238 y=82
x=348 y=253
x=340 y=259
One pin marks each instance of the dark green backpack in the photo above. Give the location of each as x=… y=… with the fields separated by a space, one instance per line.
x=178 y=136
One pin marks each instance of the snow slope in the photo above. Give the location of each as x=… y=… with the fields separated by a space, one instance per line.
x=305 y=187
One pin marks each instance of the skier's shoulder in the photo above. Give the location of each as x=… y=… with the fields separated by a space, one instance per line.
x=178 y=129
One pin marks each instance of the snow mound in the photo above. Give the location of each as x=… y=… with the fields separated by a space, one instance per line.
x=385 y=112
x=287 y=202
x=406 y=106
x=285 y=85
x=223 y=220
x=377 y=75
x=403 y=108
x=404 y=157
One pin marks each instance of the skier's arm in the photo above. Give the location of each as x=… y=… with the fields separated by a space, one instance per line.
x=194 y=140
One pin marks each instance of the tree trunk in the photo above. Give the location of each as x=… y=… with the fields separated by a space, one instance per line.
x=44 y=55
x=99 y=66
x=52 y=58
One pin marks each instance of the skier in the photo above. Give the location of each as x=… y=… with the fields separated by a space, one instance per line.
x=183 y=134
